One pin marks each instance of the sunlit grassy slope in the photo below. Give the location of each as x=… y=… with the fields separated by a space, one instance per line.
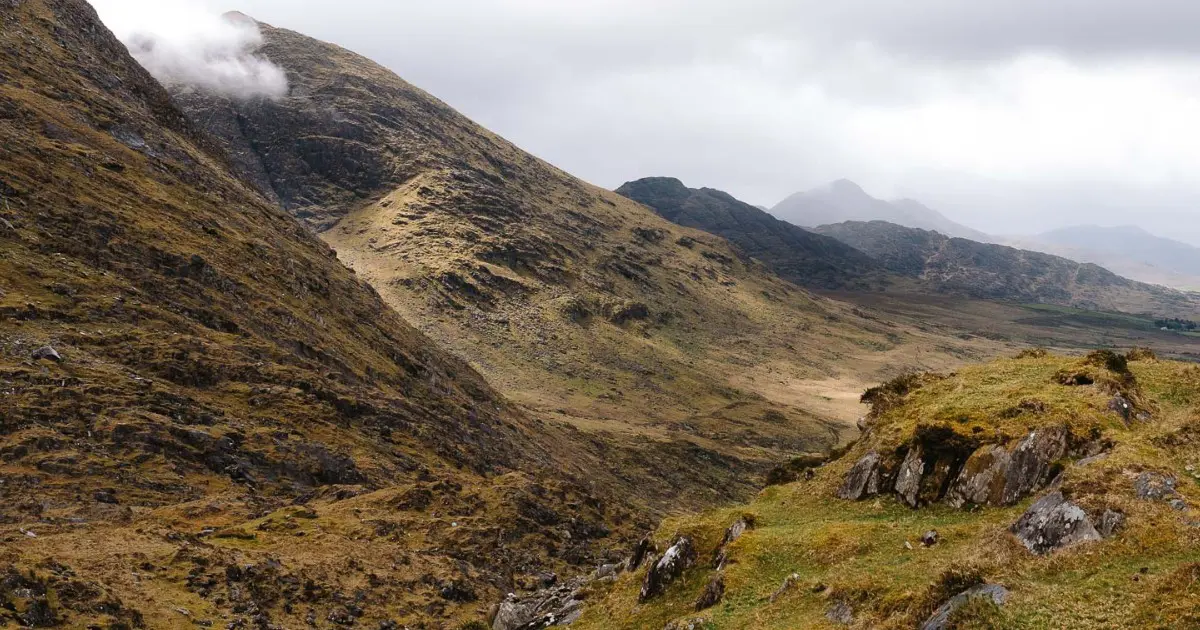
x=868 y=553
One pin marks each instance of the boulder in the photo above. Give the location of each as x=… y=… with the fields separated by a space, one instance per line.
x=1054 y=523
x=713 y=592
x=908 y=479
x=840 y=613
x=863 y=479
x=1151 y=486
x=557 y=605
x=982 y=479
x=1110 y=523
x=680 y=557
x=930 y=538
x=940 y=620
x=46 y=353
x=1032 y=462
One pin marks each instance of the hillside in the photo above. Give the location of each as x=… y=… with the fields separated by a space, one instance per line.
x=682 y=368
x=1129 y=251
x=205 y=419
x=844 y=200
x=794 y=253
x=979 y=270
x=1049 y=492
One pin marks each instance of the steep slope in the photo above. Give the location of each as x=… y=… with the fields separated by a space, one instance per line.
x=980 y=270
x=1041 y=502
x=844 y=200
x=794 y=253
x=686 y=368
x=191 y=384
x=1129 y=251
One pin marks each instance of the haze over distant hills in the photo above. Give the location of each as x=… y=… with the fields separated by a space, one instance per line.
x=844 y=200
x=1128 y=250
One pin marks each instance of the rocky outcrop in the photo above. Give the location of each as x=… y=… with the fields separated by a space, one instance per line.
x=714 y=591
x=556 y=605
x=644 y=548
x=1151 y=486
x=940 y=620
x=982 y=479
x=863 y=479
x=908 y=480
x=1032 y=462
x=840 y=613
x=680 y=557
x=734 y=532
x=1054 y=523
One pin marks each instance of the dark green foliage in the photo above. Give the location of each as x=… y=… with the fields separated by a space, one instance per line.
x=884 y=397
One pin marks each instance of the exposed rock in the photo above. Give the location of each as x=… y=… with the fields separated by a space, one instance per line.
x=46 y=353
x=713 y=592
x=940 y=620
x=687 y=624
x=789 y=583
x=1088 y=461
x=553 y=606
x=982 y=479
x=1151 y=486
x=608 y=571
x=1054 y=523
x=1177 y=504
x=930 y=538
x=840 y=613
x=677 y=559
x=908 y=479
x=1110 y=523
x=863 y=479
x=735 y=531
x=1121 y=405
x=1032 y=462
x=645 y=546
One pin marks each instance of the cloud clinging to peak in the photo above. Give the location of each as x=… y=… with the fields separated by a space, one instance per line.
x=187 y=43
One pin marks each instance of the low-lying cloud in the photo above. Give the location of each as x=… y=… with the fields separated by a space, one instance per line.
x=186 y=44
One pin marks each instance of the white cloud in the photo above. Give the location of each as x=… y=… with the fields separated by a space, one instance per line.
x=184 y=42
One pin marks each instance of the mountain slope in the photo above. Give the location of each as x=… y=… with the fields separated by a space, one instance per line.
x=844 y=200
x=191 y=384
x=685 y=368
x=1129 y=251
x=979 y=270
x=1098 y=531
x=794 y=253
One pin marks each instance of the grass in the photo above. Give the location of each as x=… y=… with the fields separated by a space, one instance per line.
x=856 y=551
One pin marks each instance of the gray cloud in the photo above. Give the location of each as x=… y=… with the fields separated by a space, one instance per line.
x=1008 y=115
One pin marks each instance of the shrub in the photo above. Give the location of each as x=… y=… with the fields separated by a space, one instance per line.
x=1032 y=353
x=1141 y=354
x=890 y=394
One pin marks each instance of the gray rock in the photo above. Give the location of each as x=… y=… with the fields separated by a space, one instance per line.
x=1111 y=522
x=644 y=547
x=789 y=583
x=553 y=606
x=982 y=479
x=687 y=624
x=1177 y=504
x=940 y=620
x=908 y=479
x=1054 y=523
x=680 y=557
x=1032 y=462
x=608 y=571
x=930 y=538
x=1121 y=405
x=1093 y=459
x=1151 y=486
x=734 y=532
x=46 y=353
x=840 y=613
x=863 y=479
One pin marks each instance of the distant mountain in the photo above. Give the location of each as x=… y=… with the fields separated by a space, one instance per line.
x=844 y=200
x=794 y=253
x=960 y=266
x=1128 y=250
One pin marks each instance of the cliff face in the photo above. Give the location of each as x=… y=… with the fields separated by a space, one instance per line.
x=190 y=382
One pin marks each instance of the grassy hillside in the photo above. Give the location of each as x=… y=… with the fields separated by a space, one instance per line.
x=204 y=417
x=681 y=368
x=862 y=564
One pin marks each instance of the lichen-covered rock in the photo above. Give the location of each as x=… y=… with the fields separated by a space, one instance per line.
x=840 y=613
x=1032 y=462
x=940 y=620
x=863 y=479
x=734 y=532
x=713 y=592
x=982 y=479
x=1110 y=523
x=908 y=479
x=1054 y=523
x=1151 y=486
x=680 y=557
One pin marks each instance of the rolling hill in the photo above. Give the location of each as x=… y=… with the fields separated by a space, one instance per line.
x=844 y=200
x=963 y=267
x=796 y=254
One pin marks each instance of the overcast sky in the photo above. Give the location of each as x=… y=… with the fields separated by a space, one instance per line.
x=1007 y=115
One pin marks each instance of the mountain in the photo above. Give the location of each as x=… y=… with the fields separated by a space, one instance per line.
x=844 y=200
x=206 y=419
x=980 y=270
x=681 y=367
x=1003 y=495
x=1129 y=251
x=794 y=253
